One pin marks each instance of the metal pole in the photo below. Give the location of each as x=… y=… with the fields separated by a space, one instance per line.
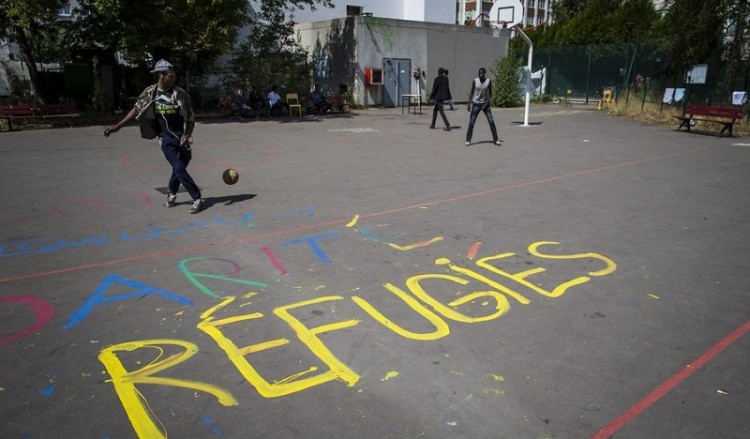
x=588 y=75
x=518 y=29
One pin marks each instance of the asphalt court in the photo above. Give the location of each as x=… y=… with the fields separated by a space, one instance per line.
x=370 y=277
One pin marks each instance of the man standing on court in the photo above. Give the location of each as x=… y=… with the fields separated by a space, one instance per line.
x=441 y=91
x=479 y=100
x=164 y=110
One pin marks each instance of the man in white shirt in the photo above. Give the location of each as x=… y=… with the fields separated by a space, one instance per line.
x=275 y=102
x=479 y=100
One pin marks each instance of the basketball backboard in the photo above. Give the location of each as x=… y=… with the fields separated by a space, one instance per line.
x=507 y=13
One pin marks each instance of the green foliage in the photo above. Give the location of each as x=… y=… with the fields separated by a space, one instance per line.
x=27 y=22
x=692 y=30
x=146 y=30
x=597 y=21
x=38 y=22
x=740 y=12
x=506 y=89
x=288 y=68
x=270 y=56
x=26 y=14
x=191 y=33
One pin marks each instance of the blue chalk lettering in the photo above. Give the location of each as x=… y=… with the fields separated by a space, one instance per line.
x=308 y=211
x=242 y=221
x=99 y=298
x=192 y=226
x=149 y=234
x=312 y=241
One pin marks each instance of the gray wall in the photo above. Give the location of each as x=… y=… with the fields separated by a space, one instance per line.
x=355 y=43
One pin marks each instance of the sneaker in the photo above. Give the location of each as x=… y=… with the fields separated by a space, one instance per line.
x=447 y=129
x=198 y=206
x=497 y=142
x=468 y=142
x=171 y=200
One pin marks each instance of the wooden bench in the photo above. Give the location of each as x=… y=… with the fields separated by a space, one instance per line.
x=10 y=113
x=704 y=113
x=59 y=111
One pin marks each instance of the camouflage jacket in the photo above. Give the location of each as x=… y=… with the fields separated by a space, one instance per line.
x=145 y=110
x=143 y=104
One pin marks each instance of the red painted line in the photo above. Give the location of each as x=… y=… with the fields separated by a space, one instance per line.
x=170 y=252
x=668 y=385
x=274 y=260
x=534 y=182
x=264 y=236
x=473 y=250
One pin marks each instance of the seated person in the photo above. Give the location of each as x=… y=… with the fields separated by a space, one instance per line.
x=275 y=103
x=257 y=103
x=226 y=106
x=319 y=100
x=240 y=108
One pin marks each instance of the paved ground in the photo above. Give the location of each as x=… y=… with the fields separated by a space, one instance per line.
x=369 y=277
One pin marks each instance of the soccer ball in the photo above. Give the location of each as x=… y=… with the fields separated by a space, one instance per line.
x=230 y=176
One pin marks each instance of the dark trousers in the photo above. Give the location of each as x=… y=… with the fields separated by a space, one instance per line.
x=279 y=108
x=179 y=157
x=439 y=108
x=475 y=109
x=322 y=106
x=260 y=106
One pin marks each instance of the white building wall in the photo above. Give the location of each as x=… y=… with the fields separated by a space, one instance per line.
x=439 y=11
x=414 y=10
x=352 y=46
x=431 y=11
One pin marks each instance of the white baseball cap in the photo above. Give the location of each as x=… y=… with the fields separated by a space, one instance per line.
x=162 y=66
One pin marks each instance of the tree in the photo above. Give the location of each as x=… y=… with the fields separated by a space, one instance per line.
x=184 y=31
x=738 y=13
x=597 y=21
x=191 y=33
x=692 y=31
x=270 y=55
x=24 y=20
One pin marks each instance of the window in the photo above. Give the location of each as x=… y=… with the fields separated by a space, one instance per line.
x=64 y=10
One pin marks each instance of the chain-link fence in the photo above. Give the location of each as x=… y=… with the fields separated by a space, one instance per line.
x=634 y=71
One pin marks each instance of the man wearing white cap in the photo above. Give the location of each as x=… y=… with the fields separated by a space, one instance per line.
x=164 y=110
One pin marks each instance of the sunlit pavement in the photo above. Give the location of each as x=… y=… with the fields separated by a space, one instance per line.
x=370 y=277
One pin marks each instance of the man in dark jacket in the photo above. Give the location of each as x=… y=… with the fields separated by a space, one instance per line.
x=441 y=91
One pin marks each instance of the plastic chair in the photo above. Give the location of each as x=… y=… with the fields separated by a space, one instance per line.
x=566 y=98
x=292 y=99
x=606 y=98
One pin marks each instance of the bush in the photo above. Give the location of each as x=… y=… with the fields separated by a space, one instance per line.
x=507 y=87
